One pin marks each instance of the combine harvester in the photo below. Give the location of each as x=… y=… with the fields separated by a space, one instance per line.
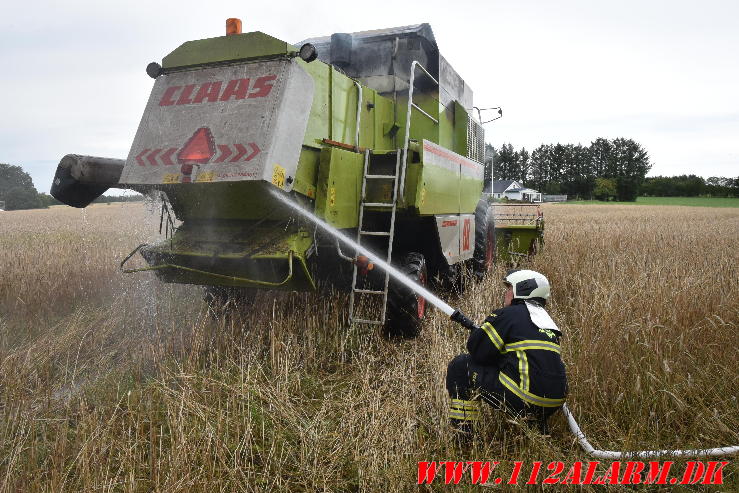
x=372 y=132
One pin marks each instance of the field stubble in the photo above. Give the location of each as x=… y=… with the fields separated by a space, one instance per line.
x=113 y=382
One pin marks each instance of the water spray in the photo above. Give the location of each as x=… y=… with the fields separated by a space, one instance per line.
x=461 y=319
x=394 y=273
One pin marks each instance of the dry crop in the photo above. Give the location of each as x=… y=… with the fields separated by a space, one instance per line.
x=120 y=383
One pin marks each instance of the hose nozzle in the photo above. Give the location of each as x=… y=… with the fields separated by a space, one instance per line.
x=462 y=320
x=364 y=265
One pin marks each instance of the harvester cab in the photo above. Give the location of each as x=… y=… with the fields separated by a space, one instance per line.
x=370 y=131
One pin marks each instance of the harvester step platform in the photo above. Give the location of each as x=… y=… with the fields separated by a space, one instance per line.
x=369 y=291
x=381 y=177
x=378 y=204
x=375 y=233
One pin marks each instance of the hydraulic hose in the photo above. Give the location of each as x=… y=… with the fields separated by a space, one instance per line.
x=465 y=322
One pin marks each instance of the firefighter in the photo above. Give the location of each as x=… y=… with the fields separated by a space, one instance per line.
x=514 y=359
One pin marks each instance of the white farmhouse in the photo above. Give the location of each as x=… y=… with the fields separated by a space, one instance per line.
x=514 y=190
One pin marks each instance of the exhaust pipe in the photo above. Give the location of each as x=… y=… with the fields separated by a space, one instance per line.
x=81 y=179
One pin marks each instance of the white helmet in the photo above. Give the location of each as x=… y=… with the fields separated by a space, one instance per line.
x=528 y=284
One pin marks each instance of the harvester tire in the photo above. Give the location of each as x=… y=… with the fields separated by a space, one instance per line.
x=484 y=256
x=406 y=310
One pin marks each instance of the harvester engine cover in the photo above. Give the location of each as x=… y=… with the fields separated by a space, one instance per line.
x=240 y=122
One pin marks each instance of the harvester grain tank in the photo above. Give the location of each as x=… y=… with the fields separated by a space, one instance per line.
x=371 y=131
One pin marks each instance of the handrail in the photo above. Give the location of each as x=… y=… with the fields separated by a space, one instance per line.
x=212 y=274
x=407 y=135
x=359 y=115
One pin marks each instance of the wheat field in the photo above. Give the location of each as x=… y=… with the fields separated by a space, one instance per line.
x=113 y=382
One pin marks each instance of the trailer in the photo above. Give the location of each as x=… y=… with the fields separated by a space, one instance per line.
x=371 y=131
x=519 y=231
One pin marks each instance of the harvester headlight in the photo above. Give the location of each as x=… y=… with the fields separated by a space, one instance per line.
x=154 y=70
x=308 y=52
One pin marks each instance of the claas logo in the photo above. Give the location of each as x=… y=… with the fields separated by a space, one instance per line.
x=211 y=92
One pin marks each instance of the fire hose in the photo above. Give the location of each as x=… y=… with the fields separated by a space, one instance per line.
x=465 y=322
x=461 y=318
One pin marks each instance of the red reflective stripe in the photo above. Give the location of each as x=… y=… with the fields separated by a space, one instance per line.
x=140 y=156
x=225 y=153
x=166 y=158
x=241 y=152
x=152 y=157
x=255 y=150
x=452 y=157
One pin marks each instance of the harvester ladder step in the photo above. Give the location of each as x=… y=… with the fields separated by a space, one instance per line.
x=378 y=204
x=393 y=207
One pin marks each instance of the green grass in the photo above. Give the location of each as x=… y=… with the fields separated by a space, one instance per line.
x=686 y=201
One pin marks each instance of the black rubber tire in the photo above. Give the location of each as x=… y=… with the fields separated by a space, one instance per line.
x=484 y=257
x=406 y=310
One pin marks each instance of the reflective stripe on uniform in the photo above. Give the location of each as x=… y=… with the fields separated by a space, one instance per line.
x=464 y=416
x=493 y=335
x=532 y=344
x=464 y=410
x=523 y=369
x=462 y=404
x=528 y=396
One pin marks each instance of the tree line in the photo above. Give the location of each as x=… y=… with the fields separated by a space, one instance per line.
x=604 y=170
x=690 y=186
x=18 y=192
x=606 y=167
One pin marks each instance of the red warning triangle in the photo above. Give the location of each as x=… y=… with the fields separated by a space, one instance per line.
x=199 y=149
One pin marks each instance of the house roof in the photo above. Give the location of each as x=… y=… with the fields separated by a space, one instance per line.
x=500 y=186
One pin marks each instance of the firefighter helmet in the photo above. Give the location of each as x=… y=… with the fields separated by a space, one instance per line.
x=527 y=284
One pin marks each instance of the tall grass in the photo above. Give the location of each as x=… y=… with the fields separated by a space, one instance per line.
x=121 y=383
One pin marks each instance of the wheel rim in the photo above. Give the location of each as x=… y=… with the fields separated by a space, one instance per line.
x=421 y=301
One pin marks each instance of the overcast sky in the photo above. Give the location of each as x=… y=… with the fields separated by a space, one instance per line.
x=664 y=73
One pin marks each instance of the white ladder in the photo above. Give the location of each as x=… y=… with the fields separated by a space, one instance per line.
x=390 y=207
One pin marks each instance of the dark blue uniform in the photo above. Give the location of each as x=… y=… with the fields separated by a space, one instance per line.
x=513 y=364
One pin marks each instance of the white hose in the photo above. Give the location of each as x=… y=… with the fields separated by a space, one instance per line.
x=610 y=454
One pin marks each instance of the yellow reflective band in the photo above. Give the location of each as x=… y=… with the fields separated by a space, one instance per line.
x=528 y=396
x=523 y=369
x=464 y=416
x=462 y=404
x=533 y=344
x=493 y=335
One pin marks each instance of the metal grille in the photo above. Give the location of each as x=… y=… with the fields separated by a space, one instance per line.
x=475 y=141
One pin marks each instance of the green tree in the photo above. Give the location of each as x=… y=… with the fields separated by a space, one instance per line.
x=505 y=166
x=539 y=167
x=17 y=190
x=605 y=188
x=523 y=165
x=631 y=163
